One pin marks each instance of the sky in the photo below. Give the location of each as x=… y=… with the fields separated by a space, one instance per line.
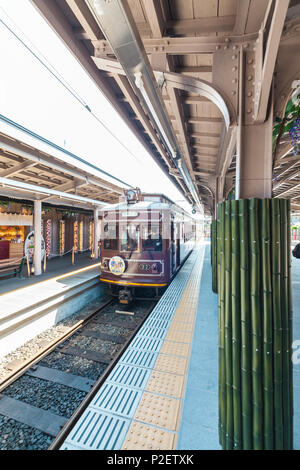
x=32 y=96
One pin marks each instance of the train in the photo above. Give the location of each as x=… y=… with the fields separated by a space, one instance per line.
x=145 y=239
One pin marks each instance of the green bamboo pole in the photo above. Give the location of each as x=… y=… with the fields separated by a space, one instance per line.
x=221 y=320
x=211 y=240
x=214 y=255
x=236 y=325
x=228 y=328
x=290 y=320
x=285 y=325
x=257 y=402
x=277 y=343
x=267 y=325
x=246 y=374
x=255 y=325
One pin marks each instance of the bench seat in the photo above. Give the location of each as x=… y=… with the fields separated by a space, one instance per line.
x=12 y=265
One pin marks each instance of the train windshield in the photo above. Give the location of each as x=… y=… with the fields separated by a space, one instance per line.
x=152 y=238
x=130 y=237
x=110 y=238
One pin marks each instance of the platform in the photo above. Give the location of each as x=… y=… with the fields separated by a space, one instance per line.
x=45 y=300
x=55 y=267
x=142 y=403
x=163 y=393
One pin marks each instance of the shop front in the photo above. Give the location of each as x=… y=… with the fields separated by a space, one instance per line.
x=62 y=230
x=14 y=229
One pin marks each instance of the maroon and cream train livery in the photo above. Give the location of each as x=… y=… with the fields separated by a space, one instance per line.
x=144 y=241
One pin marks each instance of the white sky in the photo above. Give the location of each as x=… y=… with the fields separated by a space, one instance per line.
x=32 y=97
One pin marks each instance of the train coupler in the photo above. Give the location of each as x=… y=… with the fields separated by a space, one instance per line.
x=125 y=296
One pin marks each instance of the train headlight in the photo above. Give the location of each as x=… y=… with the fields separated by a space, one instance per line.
x=117 y=265
x=131 y=195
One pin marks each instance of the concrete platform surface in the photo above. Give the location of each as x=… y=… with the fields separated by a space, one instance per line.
x=55 y=267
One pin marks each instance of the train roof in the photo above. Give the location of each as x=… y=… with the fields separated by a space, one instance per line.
x=140 y=205
x=153 y=201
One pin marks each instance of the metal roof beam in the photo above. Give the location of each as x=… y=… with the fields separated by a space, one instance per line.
x=263 y=86
x=154 y=14
x=16 y=169
x=36 y=157
x=179 y=46
x=287 y=179
x=201 y=25
x=86 y=19
x=20 y=185
x=241 y=16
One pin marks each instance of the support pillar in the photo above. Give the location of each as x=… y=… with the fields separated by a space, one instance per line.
x=254 y=169
x=37 y=260
x=254 y=161
x=96 y=233
x=255 y=325
x=254 y=300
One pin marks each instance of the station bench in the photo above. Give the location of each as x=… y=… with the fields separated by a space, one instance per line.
x=12 y=266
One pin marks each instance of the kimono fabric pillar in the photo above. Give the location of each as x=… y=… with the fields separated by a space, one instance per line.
x=37 y=238
x=255 y=324
x=96 y=233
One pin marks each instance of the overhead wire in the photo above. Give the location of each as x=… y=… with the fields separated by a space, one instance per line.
x=45 y=63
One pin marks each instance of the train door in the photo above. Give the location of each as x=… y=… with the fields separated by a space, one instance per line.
x=178 y=234
x=173 y=248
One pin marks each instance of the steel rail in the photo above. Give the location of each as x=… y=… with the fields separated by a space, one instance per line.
x=50 y=347
x=58 y=441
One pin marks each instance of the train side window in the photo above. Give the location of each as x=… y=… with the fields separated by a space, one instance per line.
x=152 y=238
x=129 y=238
x=110 y=239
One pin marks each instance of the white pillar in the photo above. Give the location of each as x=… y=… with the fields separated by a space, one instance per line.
x=37 y=238
x=96 y=233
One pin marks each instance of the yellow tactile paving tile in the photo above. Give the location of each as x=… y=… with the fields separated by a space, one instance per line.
x=184 y=318
x=176 y=349
x=185 y=308
x=181 y=326
x=166 y=384
x=161 y=401
x=143 y=437
x=158 y=411
x=179 y=336
x=185 y=312
x=171 y=364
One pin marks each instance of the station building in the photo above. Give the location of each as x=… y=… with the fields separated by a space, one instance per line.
x=211 y=89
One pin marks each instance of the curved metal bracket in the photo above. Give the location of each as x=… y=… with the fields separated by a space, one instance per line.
x=205 y=89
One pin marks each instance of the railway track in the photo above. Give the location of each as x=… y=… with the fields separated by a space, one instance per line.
x=42 y=399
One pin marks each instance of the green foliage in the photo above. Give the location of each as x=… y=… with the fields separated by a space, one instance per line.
x=292 y=112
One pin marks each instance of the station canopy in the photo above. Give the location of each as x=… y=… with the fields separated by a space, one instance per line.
x=171 y=69
x=32 y=167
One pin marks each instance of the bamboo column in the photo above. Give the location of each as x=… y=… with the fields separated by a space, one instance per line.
x=236 y=327
x=221 y=323
x=255 y=324
x=214 y=255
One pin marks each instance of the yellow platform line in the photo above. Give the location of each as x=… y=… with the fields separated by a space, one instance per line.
x=56 y=278
x=156 y=422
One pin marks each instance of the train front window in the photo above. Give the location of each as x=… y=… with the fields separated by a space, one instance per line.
x=152 y=238
x=130 y=238
x=110 y=239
